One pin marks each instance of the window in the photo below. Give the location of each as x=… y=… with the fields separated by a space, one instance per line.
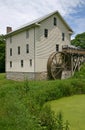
x=55 y=21
x=21 y=63
x=57 y=47
x=46 y=33
x=30 y=62
x=63 y=36
x=10 y=51
x=27 y=33
x=27 y=48
x=10 y=64
x=11 y=39
x=18 y=50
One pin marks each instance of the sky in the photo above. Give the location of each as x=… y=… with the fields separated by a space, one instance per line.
x=16 y=13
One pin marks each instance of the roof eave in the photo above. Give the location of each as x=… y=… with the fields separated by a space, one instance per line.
x=21 y=29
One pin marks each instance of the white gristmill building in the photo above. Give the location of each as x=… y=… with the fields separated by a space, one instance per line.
x=29 y=47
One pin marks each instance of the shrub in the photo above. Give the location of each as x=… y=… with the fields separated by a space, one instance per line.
x=47 y=118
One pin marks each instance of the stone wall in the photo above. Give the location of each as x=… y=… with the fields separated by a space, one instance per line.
x=66 y=74
x=26 y=75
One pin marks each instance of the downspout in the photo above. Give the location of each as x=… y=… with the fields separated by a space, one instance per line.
x=38 y=25
x=34 y=53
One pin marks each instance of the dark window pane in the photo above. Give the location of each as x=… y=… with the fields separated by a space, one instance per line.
x=46 y=33
x=57 y=47
x=10 y=51
x=55 y=21
x=21 y=63
x=30 y=62
x=10 y=64
x=18 y=50
x=27 y=48
x=63 y=36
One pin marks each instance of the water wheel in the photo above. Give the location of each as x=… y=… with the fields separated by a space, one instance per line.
x=57 y=62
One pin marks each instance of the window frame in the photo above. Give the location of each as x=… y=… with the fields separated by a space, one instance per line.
x=27 y=48
x=55 y=21
x=27 y=34
x=18 y=50
x=45 y=32
x=30 y=62
x=63 y=36
x=10 y=64
x=10 y=51
x=22 y=63
x=10 y=39
x=57 y=47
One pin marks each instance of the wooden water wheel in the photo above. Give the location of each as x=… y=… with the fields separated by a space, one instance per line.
x=57 y=63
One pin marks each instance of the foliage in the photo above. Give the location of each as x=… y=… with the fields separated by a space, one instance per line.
x=79 y=40
x=60 y=121
x=2 y=54
x=50 y=121
x=47 y=118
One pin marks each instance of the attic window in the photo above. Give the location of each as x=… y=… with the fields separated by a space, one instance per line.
x=10 y=39
x=45 y=32
x=55 y=21
x=27 y=33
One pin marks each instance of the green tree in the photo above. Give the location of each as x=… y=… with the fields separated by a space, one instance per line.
x=79 y=40
x=2 y=54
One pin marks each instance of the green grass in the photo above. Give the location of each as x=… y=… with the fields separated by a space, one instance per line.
x=73 y=109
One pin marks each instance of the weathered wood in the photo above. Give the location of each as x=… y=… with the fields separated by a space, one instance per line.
x=61 y=62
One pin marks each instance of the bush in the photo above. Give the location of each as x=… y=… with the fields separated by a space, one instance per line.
x=47 y=118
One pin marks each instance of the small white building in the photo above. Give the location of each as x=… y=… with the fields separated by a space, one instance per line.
x=29 y=47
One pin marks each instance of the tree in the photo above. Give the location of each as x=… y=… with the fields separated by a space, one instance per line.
x=79 y=40
x=2 y=54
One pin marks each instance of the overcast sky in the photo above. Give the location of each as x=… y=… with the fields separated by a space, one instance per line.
x=18 y=12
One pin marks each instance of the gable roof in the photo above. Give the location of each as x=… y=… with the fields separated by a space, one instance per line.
x=36 y=23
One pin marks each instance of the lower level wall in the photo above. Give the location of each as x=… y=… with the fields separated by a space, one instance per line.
x=66 y=74
x=26 y=75
x=34 y=76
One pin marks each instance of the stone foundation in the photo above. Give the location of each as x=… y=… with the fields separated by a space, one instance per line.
x=26 y=75
x=66 y=74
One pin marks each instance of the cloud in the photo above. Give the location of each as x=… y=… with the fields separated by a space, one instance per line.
x=18 y=12
x=80 y=25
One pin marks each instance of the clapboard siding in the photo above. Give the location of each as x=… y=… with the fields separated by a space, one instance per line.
x=20 y=40
x=46 y=46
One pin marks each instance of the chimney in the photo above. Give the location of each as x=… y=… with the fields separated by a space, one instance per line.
x=8 y=29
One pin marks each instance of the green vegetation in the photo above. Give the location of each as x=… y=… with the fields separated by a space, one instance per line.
x=22 y=104
x=79 y=40
x=2 y=54
x=73 y=109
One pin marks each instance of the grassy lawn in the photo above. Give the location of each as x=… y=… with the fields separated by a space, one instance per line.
x=73 y=110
